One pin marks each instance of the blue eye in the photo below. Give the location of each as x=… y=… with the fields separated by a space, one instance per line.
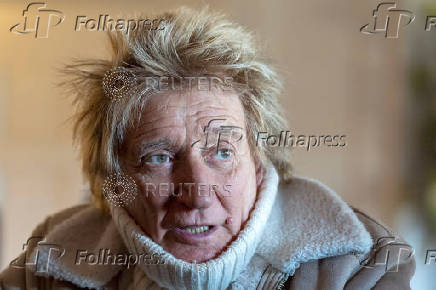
x=159 y=159
x=224 y=154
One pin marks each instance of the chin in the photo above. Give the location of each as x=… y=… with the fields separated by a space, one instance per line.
x=197 y=257
x=192 y=254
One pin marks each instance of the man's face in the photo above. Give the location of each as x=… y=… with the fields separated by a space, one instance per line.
x=196 y=177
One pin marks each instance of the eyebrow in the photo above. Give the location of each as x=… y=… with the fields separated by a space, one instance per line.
x=228 y=129
x=224 y=128
x=157 y=144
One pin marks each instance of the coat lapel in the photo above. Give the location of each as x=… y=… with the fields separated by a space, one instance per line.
x=309 y=221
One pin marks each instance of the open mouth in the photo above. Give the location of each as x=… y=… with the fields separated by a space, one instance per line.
x=195 y=235
x=197 y=229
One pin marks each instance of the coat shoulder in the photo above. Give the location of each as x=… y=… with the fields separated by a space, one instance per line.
x=390 y=264
x=16 y=275
x=376 y=228
x=57 y=218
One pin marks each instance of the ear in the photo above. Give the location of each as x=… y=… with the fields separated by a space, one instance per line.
x=259 y=171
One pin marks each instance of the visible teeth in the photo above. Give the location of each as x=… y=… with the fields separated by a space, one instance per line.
x=197 y=230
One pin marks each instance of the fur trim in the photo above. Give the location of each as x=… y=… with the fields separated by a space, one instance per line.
x=308 y=221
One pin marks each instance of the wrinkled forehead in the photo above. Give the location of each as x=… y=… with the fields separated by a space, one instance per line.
x=191 y=110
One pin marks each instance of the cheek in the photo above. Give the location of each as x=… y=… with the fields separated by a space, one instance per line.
x=239 y=192
x=153 y=192
x=150 y=207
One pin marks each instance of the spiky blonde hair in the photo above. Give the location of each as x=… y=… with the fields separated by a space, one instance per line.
x=189 y=43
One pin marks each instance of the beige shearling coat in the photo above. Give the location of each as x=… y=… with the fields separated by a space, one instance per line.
x=312 y=240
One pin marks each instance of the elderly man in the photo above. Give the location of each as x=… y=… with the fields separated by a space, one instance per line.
x=184 y=196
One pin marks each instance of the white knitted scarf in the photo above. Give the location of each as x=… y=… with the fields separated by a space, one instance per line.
x=218 y=273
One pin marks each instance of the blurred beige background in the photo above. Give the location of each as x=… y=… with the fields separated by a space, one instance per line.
x=338 y=81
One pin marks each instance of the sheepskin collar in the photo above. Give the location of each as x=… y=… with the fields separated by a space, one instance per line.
x=307 y=221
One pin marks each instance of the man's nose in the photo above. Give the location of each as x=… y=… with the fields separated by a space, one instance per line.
x=194 y=188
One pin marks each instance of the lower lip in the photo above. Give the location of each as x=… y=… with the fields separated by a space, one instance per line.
x=192 y=238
